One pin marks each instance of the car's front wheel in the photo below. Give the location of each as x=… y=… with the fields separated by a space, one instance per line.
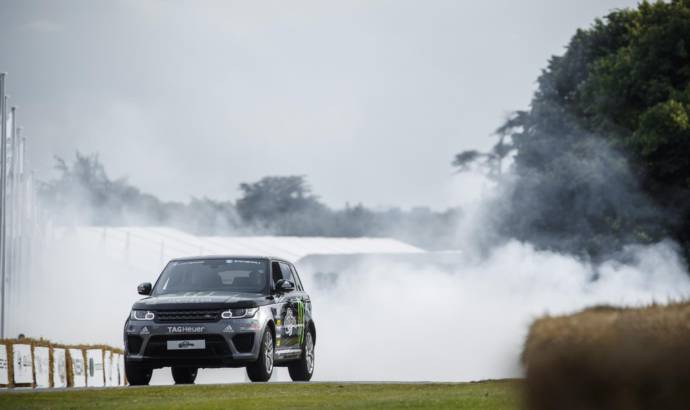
x=184 y=375
x=303 y=369
x=262 y=368
x=138 y=375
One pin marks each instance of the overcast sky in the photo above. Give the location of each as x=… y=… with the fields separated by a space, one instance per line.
x=369 y=99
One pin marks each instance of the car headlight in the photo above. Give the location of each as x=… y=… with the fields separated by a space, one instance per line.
x=142 y=315
x=239 y=313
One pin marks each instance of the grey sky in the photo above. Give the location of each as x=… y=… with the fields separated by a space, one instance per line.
x=369 y=99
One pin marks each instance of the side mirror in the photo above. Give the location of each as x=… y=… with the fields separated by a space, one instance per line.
x=284 y=286
x=144 y=288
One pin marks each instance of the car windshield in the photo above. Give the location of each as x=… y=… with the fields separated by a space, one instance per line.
x=213 y=275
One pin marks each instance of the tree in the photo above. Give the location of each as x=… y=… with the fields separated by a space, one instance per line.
x=279 y=203
x=83 y=193
x=603 y=154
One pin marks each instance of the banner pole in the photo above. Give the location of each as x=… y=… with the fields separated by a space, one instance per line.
x=8 y=226
x=3 y=163
x=19 y=205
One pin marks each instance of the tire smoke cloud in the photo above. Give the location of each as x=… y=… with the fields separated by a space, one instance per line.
x=391 y=322
x=379 y=320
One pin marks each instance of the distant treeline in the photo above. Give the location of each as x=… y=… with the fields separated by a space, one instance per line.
x=83 y=193
x=602 y=157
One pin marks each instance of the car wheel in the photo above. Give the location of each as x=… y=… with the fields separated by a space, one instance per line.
x=184 y=375
x=303 y=369
x=138 y=375
x=262 y=368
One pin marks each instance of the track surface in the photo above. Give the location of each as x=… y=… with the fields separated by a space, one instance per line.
x=487 y=395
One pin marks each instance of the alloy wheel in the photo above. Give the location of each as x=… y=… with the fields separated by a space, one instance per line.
x=309 y=352
x=268 y=352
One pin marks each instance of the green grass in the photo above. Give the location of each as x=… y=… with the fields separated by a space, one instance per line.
x=491 y=395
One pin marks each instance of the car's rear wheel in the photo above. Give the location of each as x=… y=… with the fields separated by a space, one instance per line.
x=184 y=375
x=138 y=375
x=262 y=368
x=303 y=369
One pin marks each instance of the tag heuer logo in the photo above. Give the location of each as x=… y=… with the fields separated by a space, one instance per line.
x=186 y=329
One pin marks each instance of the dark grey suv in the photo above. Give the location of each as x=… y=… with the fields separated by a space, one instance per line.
x=221 y=311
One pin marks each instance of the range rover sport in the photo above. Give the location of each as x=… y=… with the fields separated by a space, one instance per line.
x=221 y=311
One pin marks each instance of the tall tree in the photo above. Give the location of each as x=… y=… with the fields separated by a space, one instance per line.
x=603 y=154
x=279 y=203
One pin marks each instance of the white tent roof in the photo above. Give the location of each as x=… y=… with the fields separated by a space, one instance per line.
x=144 y=245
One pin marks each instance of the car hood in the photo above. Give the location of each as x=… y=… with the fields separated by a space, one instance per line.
x=202 y=300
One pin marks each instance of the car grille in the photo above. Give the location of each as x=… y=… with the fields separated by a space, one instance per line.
x=187 y=316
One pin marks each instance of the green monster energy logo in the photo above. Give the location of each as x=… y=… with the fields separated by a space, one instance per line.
x=300 y=321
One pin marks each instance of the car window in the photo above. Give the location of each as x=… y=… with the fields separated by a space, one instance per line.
x=287 y=273
x=222 y=275
x=276 y=273
x=298 y=281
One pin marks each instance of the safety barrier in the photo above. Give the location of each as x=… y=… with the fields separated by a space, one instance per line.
x=39 y=363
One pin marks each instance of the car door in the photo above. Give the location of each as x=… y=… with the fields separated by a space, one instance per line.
x=292 y=315
x=303 y=297
x=285 y=313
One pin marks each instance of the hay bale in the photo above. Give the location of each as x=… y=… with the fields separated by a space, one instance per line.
x=6 y=363
x=10 y=357
x=55 y=379
x=84 y=348
x=610 y=358
x=75 y=352
x=45 y=343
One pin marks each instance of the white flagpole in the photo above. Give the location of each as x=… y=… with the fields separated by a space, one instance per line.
x=8 y=215
x=3 y=163
x=19 y=204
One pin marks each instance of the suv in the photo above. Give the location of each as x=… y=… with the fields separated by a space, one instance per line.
x=221 y=311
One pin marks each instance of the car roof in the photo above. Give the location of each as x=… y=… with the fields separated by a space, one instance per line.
x=207 y=257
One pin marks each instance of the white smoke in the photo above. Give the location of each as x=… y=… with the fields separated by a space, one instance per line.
x=379 y=321
x=396 y=323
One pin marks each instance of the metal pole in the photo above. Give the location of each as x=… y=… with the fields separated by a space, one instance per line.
x=22 y=229
x=17 y=205
x=3 y=160
x=8 y=224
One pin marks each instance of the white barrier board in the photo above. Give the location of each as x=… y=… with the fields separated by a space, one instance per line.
x=42 y=366
x=78 y=370
x=59 y=368
x=120 y=370
x=22 y=364
x=4 y=374
x=108 y=367
x=94 y=374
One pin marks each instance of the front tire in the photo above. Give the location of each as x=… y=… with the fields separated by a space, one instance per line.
x=184 y=375
x=303 y=369
x=138 y=375
x=262 y=369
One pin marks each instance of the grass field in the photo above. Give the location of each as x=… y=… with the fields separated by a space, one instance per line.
x=490 y=395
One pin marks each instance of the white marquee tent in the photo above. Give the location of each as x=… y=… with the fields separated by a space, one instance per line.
x=146 y=247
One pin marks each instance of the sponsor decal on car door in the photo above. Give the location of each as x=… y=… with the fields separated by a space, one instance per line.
x=292 y=334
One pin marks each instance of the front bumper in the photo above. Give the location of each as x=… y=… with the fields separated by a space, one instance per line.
x=229 y=343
